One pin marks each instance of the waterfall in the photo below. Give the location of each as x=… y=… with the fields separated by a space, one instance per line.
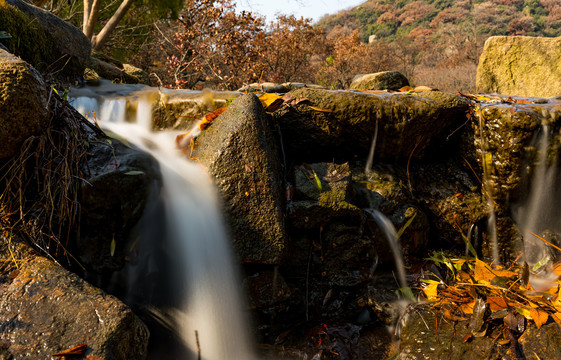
x=210 y=318
x=540 y=211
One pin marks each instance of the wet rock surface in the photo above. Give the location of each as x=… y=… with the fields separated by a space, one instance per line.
x=119 y=181
x=240 y=152
x=46 y=309
x=180 y=110
x=23 y=103
x=342 y=124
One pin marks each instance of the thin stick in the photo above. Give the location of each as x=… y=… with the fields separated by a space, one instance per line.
x=545 y=241
x=198 y=345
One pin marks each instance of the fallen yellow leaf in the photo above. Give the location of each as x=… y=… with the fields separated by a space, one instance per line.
x=431 y=291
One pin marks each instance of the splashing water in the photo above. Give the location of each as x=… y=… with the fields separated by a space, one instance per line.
x=391 y=235
x=492 y=219
x=370 y=159
x=211 y=322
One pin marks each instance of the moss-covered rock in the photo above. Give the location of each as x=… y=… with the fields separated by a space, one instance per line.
x=385 y=80
x=520 y=65
x=23 y=103
x=46 y=309
x=339 y=124
x=181 y=109
x=50 y=44
x=383 y=190
x=240 y=152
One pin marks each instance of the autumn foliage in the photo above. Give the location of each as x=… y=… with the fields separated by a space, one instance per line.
x=433 y=42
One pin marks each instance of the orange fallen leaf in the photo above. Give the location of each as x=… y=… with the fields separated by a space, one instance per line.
x=557 y=269
x=208 y=118
x=406 y=88
x=485 y=274
x=422 y=88
x=539 y=316
x=557 y=318
x=320 y=109
x=496 y=303
x=77 y=350
x=467 y=308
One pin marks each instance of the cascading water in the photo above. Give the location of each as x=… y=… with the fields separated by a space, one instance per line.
x=535 y=215
x=210 y=317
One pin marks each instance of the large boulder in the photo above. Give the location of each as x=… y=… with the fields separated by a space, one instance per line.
x=119 y=182
x=240 y=152
x=107 y=68
x=23 y=103
x=385 y=80
x=520 y=65
x=49 y=43
x=46 y=309
x=517 y=146
x=324 y=125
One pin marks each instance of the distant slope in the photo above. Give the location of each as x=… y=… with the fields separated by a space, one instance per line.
x=389 y=19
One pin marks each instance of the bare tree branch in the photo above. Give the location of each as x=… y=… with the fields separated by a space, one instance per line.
x=103 y=36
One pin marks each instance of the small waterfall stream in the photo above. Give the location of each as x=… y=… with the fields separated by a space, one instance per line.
x=210 y=318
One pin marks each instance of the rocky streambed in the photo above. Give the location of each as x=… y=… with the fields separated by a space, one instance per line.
x=297 y=196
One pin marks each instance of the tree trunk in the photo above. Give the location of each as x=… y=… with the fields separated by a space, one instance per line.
x=104 y=34
x=87 y=8
x=90 y=23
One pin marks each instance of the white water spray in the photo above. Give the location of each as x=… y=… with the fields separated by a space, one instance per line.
x=211 y=321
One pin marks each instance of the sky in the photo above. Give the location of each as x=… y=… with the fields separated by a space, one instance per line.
x=314 y=9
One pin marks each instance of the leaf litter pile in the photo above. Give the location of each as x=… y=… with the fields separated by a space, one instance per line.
x=494 y=296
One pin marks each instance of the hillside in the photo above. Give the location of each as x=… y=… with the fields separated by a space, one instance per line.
x=438 y=42
x=389 y=19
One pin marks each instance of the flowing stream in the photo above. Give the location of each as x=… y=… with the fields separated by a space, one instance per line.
x=210 y=318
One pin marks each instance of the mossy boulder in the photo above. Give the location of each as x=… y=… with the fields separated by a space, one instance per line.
x=385 y=80
x=383 y=189
x=322 y=194
x=452 y=196
x=23 y=103
x=325 y=124
x=520 y=65
x=181 y=109
x=110 y=69
x=46 y=309
x=53 y=46
x=240 y=152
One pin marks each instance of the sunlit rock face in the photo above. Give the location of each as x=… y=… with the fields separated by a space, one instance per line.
x=520 y=65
